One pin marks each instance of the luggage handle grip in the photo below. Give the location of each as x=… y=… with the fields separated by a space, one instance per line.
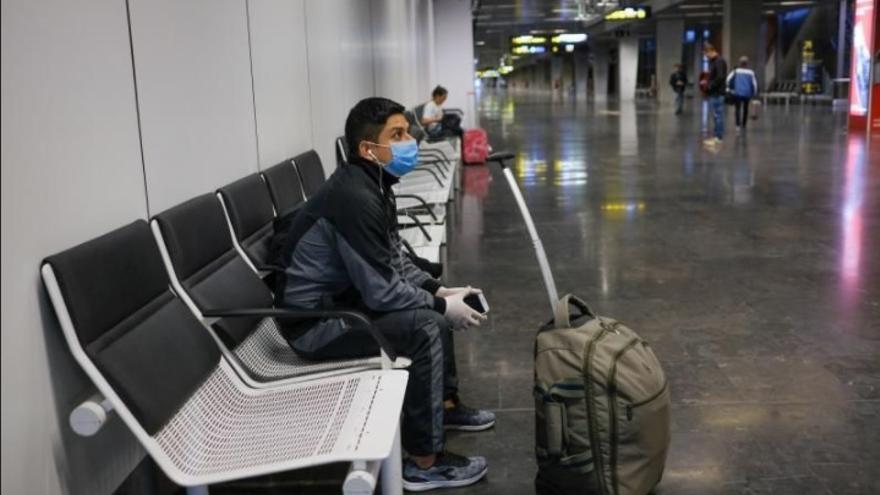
x=562 y=317
x=500 y=157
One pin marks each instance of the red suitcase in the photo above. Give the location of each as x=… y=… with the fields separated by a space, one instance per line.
x=475 y=148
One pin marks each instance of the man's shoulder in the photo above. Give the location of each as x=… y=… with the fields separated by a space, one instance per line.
x=349 y=194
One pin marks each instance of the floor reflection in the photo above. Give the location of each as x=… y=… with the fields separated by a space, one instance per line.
x=855 y=171
x=752 y=271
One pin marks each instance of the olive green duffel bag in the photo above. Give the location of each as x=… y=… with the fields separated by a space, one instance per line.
x=601 y=406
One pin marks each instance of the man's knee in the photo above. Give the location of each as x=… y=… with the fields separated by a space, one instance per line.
x=429 y=318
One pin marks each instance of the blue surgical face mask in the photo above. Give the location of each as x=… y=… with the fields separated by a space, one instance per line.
x=404 y=157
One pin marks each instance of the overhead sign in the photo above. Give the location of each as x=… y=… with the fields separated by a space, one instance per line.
x=528 y=39
x=568 y=38
x=629 y=14
x=527 y=50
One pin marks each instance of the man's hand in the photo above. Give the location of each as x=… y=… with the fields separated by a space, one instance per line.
x=459 y=313
x=448 y=291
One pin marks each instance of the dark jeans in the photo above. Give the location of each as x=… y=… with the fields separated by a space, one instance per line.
x=679 y=101
x=717 y=104
x=742 y=110
x=424 y=336
x=450 y=126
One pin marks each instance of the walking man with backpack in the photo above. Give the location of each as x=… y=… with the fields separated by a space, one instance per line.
x=743 y=86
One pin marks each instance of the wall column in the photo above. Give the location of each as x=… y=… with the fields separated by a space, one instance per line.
x=601 y=59
x=627 y=67
x=741 y=34
x=670 y=42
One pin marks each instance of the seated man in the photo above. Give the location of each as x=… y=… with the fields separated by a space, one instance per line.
x=436 y=123
x=343 y=251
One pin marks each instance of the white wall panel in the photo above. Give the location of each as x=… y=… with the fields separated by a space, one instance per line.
x=281 y=83
x=72 y=158
x=340 y=67
x=424 y=39
x=194 y=83
x=356 y=52
x=71 y=171
x=454 y=55
x=394 y=51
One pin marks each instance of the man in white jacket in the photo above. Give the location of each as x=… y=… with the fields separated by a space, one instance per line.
x=743 y=85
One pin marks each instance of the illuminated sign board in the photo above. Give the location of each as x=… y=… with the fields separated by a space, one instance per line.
x=527 y=50
x=860 y=67
x=569 y=38
x=629 y=14
x=528 y=40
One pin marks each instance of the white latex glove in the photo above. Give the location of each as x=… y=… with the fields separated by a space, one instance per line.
x=459 y=313
x=448 y=291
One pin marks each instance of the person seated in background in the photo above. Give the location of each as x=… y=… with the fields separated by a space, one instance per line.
x=435 y=121
x=343 y=251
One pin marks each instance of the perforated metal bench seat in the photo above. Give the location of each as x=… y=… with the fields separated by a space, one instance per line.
x=267 y=356
x=166 y=378
x=227 y=431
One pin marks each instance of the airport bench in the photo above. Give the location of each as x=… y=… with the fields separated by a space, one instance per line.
x=229 y=297
x=177 y=392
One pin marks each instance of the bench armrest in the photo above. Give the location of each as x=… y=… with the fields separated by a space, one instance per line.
x=302 y=314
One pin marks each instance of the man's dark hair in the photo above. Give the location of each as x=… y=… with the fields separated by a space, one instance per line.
x=367 y=119
x=438 y=91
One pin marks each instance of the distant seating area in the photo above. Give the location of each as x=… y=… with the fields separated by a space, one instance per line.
x=782 y=91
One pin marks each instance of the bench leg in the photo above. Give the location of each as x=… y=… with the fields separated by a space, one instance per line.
x=392 y=469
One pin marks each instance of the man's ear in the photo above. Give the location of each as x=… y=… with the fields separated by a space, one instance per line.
x=364 y=150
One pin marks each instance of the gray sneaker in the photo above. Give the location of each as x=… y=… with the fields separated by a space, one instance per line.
x=449 y=471
x=464 y=418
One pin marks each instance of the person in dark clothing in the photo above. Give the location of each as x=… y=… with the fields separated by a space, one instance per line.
x=717 y=88
x=343 y=250
x=678 y=80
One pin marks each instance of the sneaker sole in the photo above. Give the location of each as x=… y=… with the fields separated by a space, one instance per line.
x=469 y=427
x=434 y=485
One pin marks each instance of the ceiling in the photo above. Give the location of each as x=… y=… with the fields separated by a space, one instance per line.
x=495 y=21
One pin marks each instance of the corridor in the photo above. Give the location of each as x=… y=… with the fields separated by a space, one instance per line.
x=753 y=272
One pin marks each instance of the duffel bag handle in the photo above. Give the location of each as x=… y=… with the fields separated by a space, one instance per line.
x=562 y=317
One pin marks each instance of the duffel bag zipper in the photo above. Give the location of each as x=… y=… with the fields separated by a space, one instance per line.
x=612 y=418
x=630 y=407
x=591 y=410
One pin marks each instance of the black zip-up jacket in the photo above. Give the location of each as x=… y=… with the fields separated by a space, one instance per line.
x=676 y=76
x=717 y=77
x=343 y=249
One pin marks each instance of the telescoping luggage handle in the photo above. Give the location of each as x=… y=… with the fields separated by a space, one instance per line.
x=501 y=157
x=562 y=317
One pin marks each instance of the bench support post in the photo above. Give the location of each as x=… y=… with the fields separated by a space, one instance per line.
x=392 y=469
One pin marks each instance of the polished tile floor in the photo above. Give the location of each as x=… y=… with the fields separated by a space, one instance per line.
x=753 y=269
